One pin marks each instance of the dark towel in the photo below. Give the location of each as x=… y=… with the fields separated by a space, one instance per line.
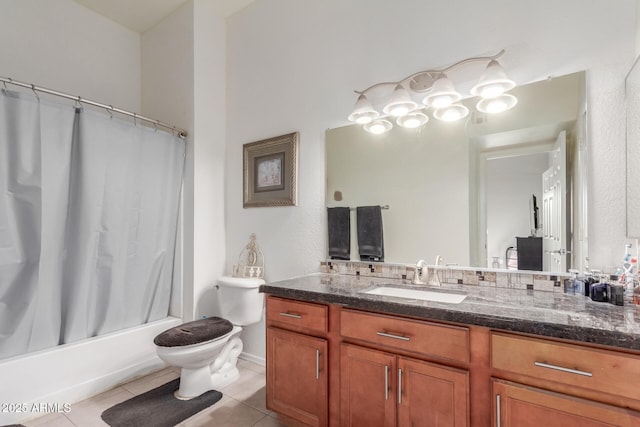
x=370 y=239
x=339 y=233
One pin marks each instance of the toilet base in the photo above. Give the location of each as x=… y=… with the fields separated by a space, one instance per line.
x=222 y=372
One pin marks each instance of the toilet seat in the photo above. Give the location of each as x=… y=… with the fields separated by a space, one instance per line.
x=195 y=332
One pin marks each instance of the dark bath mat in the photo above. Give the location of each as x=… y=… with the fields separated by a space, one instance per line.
x=13 y=425
x=158 y=408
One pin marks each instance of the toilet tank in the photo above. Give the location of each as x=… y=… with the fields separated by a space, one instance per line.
x=239 y=300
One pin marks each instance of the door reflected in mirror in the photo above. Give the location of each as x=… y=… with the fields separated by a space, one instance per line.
x=463 y=190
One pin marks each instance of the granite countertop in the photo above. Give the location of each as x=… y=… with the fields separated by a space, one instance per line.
x=549 y=314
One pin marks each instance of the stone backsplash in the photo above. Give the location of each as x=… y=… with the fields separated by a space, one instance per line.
x=513 y=279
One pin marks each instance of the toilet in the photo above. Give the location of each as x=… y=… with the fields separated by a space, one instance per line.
x=207 y=350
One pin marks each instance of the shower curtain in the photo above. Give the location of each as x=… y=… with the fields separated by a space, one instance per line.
x=88 y=219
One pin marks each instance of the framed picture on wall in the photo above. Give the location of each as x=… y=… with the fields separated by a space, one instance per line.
x=270 y=169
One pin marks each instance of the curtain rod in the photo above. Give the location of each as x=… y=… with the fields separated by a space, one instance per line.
x=181 y=132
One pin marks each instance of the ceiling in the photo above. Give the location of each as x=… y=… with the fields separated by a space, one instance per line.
x=140 y=15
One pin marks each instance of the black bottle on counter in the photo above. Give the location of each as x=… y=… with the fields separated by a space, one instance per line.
x=615 y=294
x=598 y=292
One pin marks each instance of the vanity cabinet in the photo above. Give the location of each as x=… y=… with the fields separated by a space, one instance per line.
x=383 y=386
x=367 y=387
x=297 y=361
x=297 y=381
x=329 y=365
x=519 y=405
x=382 y=389
x=562 y=384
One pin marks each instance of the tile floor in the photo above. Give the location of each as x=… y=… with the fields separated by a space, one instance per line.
x=242 y=404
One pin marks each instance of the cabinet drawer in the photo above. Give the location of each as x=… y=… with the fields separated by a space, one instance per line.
x=298 y=314
x=571 y=364
x=429 y=339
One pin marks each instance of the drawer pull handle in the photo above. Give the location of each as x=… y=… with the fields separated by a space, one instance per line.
x=295 y=316
x=317 y=364
x=498 y=420
x=560 y=368
x=386 y=382
x=400 y=386
x=388 y=335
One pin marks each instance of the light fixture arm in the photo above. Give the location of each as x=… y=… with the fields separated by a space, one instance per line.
x=423 y=80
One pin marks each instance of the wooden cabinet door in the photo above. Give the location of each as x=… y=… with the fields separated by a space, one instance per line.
x=297 y=376
x=367 y=387
x=432 y=395
x=517 y=405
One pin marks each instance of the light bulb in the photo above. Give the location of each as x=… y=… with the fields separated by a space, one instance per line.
x=442 y=101
x=452 y=113
x=377 y=127
x=399 y=110
x=492 y=90
x=412 y=123
x=364 y=119
x=413 y=120
x=498 y=104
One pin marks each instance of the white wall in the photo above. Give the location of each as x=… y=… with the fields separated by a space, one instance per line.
x=209 y=170
x=293 y=66
x=61 y=45
x=184 y=70
x=167 y=95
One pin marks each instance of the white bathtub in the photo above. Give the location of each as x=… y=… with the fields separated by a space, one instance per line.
x=73 y=372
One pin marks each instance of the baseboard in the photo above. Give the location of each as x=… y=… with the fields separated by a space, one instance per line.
x=253 y=358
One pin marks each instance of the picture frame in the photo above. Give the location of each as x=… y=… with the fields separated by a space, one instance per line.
x=270 y=171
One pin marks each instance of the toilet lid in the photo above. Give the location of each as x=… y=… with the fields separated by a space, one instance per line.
x=194 y=332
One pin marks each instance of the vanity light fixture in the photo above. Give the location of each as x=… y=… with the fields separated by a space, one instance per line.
x=441 y=96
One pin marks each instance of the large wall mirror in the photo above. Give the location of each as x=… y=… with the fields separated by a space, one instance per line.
x=464 y=190
x=632 y=104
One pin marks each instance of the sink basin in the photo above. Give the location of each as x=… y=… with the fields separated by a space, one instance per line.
x=436 y=296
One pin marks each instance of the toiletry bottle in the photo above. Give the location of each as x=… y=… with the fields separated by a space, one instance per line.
x=636 y=295
x=598 y=292
x=569 y=284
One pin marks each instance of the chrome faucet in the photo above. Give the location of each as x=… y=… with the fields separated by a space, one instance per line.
x=417 y=277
